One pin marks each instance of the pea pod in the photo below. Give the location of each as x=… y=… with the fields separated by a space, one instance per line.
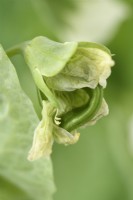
x=79 y=116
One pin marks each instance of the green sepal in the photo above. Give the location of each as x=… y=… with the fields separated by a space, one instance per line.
x=48 y=56
x=94 y=45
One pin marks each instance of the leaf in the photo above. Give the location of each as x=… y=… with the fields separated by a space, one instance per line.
x=48 y=56
x=19 y=178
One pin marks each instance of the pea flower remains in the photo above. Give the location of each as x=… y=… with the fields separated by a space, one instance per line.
x=70 y=78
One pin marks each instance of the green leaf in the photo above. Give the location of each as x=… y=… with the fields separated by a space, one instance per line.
x=22 y=179
x=48 y=56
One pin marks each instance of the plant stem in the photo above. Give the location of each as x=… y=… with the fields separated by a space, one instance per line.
x=17 y=49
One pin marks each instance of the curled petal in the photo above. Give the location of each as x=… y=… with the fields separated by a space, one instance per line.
x=62 y=136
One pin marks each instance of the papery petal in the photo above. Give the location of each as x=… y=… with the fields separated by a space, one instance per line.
x=43 y=137
x=87 y=68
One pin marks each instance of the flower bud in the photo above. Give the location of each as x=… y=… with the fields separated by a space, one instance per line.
x=70 y=65
x=70 y=77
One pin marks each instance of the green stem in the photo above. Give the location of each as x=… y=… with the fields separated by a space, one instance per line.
x=17 y=49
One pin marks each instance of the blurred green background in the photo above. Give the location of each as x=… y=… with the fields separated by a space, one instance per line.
x=100 y=165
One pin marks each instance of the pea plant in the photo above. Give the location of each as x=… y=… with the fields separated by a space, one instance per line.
x=70 y=79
